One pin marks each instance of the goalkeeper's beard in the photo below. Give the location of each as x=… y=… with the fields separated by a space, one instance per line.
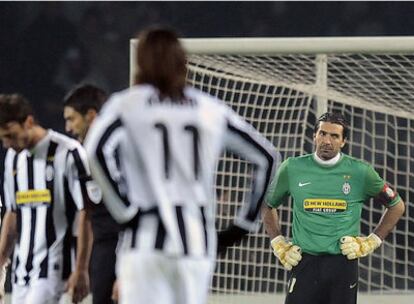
x=326 y=152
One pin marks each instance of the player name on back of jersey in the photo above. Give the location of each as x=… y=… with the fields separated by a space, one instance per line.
x=324 y=205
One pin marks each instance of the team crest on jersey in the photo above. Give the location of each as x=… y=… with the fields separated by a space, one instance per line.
x=50 y=173
x=346 y=188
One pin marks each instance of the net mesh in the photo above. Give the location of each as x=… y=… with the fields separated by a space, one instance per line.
x=279 y=96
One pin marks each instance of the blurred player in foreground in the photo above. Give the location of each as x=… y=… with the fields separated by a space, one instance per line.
x=45 y=178
x=328 y=189
x=153 y=150
x=81 y=106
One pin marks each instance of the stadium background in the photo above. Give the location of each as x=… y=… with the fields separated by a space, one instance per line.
x=47 y=47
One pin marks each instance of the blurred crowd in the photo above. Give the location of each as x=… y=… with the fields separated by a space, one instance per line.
x=47 y=47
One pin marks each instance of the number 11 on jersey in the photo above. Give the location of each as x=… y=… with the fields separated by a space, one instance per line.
x=192 y=131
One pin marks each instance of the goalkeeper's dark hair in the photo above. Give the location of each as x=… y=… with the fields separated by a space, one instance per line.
x=162 y=62
x=14 y=107
x=335 y=118
x=85 y=97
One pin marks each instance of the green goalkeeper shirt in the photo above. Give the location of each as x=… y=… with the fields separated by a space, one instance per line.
x=327 y=200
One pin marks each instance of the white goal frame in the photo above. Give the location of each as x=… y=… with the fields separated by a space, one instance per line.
x=316 y=45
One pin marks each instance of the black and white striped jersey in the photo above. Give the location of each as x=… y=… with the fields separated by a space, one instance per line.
x=155 y=161
x=45 y=187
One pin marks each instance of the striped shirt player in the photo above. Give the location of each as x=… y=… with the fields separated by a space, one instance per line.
x=81 y=106
x=154 y=159
x=44 y=187
x=3 y=271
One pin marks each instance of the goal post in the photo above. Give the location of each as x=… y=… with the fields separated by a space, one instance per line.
x=281 y=85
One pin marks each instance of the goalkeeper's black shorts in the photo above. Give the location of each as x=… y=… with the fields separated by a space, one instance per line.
x=324 y=279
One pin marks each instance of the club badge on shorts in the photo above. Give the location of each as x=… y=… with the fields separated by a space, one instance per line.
x=346 y=187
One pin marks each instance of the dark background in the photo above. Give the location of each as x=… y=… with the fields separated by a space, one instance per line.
x=47 y=47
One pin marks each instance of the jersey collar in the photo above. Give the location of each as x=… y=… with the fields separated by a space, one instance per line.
x=41 y=145
x=327 y=163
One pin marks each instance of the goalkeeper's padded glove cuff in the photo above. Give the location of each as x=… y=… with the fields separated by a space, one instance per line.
x=277 y=240
x=287 y=253
x=376 y=239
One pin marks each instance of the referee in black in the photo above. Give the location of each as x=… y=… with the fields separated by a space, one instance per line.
x=81 y=106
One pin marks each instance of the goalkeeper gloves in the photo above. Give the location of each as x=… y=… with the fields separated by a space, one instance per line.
x=287 y=253
x=356 y=247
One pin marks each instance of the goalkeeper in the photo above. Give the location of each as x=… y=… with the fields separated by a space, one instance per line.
x=328 y=189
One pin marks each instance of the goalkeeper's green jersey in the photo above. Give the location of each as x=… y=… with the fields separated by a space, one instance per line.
x=327 y=200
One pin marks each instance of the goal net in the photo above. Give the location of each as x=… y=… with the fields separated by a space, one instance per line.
x=281 y=86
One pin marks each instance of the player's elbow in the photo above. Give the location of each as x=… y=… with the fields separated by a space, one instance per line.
x=121 y=213
x=269 y=162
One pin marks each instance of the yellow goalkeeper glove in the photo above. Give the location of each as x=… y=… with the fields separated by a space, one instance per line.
x=356 y=247
x=287 y=253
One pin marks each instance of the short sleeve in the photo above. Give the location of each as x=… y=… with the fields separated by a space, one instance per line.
x=373 y=182
x=279 y=187
x=78 y=176
x=378 y=189
x=8 y=180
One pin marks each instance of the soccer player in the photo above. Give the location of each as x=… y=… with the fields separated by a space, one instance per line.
x=46 y=176
x=81 y=106
x=153 y=150
x=3 y=273
x=328 y=190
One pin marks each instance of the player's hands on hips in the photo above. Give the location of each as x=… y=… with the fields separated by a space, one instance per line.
x=356 y=247
x=287 y=253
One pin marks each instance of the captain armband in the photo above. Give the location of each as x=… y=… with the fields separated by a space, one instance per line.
x=386 y=196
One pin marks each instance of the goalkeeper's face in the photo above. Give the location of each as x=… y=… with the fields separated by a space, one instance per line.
x=329 y=140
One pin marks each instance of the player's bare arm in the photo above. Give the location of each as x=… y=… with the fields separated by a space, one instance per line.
x=7 y=241
x=389 y=219
x=78 y=283
x=8 y=237
x=356 y=247
x=270 y=220
x=287 y=253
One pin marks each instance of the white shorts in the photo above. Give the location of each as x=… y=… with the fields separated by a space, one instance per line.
x=152 y=278
x=40 y=291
